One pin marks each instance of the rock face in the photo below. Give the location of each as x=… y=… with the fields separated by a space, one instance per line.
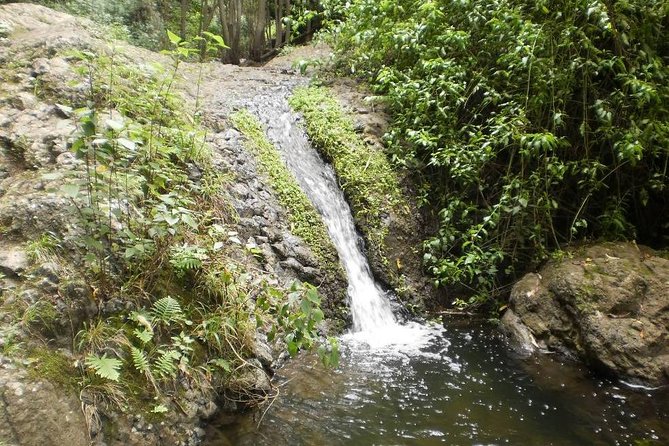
x=35 y=412
x=608 y=305
x=43 y=298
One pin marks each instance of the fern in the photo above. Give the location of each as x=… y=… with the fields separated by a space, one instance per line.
x=222 y=363
x=165 y=366
x=167 y=310
x=140 y=360
x=145 y=336
x=107 y=368
x=184 y=258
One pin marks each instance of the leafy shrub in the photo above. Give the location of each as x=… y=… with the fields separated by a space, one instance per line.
x=532 y=123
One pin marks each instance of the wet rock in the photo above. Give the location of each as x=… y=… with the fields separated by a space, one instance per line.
x=252 y=381
x=50 y=270
x=5 y=29
x=241 y=190
x=293 y=264
x=280 y=250
x=63 y=110
x=41 y=66
x=30 y=212
x=67 y=160
x=263 y=353
x=608 y=305
x=194 y=172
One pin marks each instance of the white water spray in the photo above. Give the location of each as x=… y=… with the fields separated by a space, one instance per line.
x=373 y=319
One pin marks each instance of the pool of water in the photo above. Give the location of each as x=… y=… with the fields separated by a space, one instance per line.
x=463 y=387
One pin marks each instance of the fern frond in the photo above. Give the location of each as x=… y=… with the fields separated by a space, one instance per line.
x=167 y=310
x=140 y=360
x=144 y=336
x=165 y=365
x=107 y=368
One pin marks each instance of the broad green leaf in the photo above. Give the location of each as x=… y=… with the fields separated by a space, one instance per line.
x=176 y=40
x=128 y=144
x=115 y=124
x=104 y=367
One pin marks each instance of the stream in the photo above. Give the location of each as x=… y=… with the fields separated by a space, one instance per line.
x=450 y=382
x=463 y=388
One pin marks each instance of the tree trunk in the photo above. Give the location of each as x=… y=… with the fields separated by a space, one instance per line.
x=278 y=23
x=182 y=19
x=259 y=22
x=230 y=16
x=289 y=26
x=206 y=17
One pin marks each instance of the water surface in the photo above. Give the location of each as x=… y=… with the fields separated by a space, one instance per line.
x=463 y=388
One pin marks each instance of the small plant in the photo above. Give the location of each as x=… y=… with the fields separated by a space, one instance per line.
x=187 y=258
x=297 y=319
x=303 y=65
x=104 y=367
x=44 y=248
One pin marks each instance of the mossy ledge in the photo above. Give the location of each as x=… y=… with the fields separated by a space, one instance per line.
x=367 y=178
x=382 y=211
x=304 y=219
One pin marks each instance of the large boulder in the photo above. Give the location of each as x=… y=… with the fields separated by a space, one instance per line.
x=606 y=304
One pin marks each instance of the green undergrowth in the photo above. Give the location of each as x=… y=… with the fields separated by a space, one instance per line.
x=179 y=306
x=53 y=366
x=530 y=125
x=305 y=221
x=365 y=174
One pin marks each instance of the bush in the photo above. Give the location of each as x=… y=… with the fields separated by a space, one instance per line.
x=531 y=123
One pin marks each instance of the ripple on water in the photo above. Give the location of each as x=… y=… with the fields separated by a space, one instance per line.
x=459 y=386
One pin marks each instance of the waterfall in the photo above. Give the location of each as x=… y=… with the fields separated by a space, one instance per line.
x=373 y=319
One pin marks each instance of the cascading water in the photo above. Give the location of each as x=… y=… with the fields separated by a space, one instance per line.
x=373 y=319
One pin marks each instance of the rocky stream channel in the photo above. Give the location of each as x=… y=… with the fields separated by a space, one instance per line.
x=452 y=380
x=455 y=381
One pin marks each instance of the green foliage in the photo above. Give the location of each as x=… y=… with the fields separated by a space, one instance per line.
x=305 y=220
x=200 y=340
x=365 y=175
x=140 y=214
x=144 y=23
x=133 y=20
x=185 y=258
x=43 y=248
x=530 y=123
x=104 y=367
x=135 y=198
x=167 y=310
x=296 y=319
x=140 y=360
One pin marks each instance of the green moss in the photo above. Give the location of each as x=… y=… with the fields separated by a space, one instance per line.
x=53 y=366
x=367 y=178
x=305 y=221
